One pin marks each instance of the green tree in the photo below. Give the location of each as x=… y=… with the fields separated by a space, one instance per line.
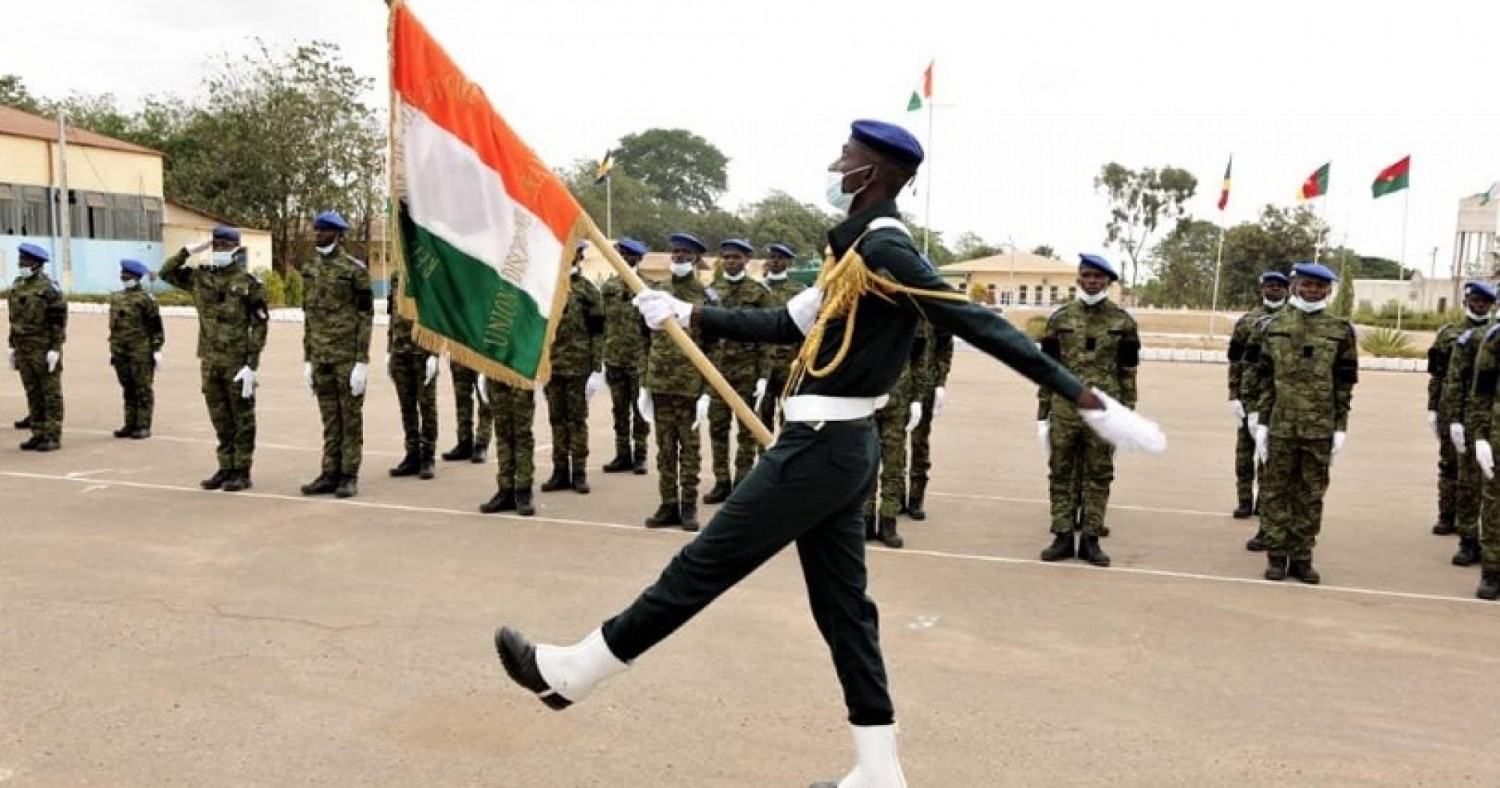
x=1281 y=237
x=1343 y=300
x=779 y=218
x=970 y=246
x=1139 y=201
x=684 y=169
x=1184 y=265
x=14 y=93
x=1044 y=251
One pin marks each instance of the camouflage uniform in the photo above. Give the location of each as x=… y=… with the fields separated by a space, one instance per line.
x=778 y=357
x=675 y=386
x=1437 y=372
x=1453 y=408
x=135 y=334
x=473 y=414
x=513 y=410
x=1239 y=389
x=232 y=323
x=888 y=495
x=340 y=313
x=1101 y=346
x=577 y=352
x=742 y=364
x=1482 y=405
x=624 y=351
x=416 y=395
x=932 y=358
x=38 y=324
x=1307 y=365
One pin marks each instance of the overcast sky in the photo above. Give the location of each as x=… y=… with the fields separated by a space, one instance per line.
x=1037 y=98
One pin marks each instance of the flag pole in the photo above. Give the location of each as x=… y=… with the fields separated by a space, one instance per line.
x=609 y=204
x=1401 y=267
x=927 y=211
x=1213 y=314
x=680 y=338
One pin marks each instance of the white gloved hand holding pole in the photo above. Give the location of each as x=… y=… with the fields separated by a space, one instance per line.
x=644 y=405
x=657 y=307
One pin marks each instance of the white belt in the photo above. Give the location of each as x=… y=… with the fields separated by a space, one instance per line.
x=811 y=408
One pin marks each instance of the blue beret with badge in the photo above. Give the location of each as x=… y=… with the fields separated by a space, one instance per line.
x=135 y=268
x=631 y=246
x=889 y=140
x=226 y=233
x=330 y=220
x=1100 y=264
x=34 y=252
x=737 y=243
x=781 y=250
x=1274 y=276
x=1482 y=289
x=1315 y=271
x=687 y=241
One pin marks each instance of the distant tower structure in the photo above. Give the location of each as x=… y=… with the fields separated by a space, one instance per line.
x=1474 y=244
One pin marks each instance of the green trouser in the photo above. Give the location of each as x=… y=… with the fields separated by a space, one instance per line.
x=1291 y=507
x=1081 y=468
x=890 y=423
x=1447 y=482
x=232 y=415
x=631 y=431
x=677 y=457
x=513 y=410
x=921 y=442
x=343 y=418
x=137 y=375
x=44 y=395
x=418 y=400
x=770 y=405
x=720 y=419
x=1244 y=464
x=467 y=406
x=568 y=414
x=1466 y=493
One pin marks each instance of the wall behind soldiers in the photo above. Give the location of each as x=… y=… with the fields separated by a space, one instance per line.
x=115 y=172
x=184 y=226
x=25 y=161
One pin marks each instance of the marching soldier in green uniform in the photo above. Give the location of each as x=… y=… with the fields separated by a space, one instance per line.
x=135 y=341
x=1476 y=315
x=743 y=364
x=413 y=370
x=577 y=364
x=624 y=354
x=1307 y=364
x=933 y=357
x=674 y=399
x=473 y=415
x=1464 y=412
x=340 y=312
x=1096 y=340
x=782 y=289
x=513 y=410
x=1273 y=289
x=894 y=423
x=232 y=323
x=38 y=329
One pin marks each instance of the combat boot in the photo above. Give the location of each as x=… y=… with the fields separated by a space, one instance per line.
x=914 y=508
x=1257 y=543
x=1276 y=566
x=463 y=451
x=1444 y=527
x=524 y=506
x=480 y=455
x=689 y=517
x=640 y=462
x=1302 y=569
x=140 y=433
x=560 y=479
x=871 y=531
x=237 y=481
x=503 y=501
x=667 y=515
x=408 y=466
x=215 y=481
x=719 y=494
x=1468 y=551
x=48 y=444
x=348 y=487
x=31 y=443
x=1061 y=547
x=1245 y=510
x=325 y=484
x=427 y=469
x=1089 y=550
x=580 y=481
x=888 y=535
x=1489 y=585
x=23 y=423
x=620 y=463
x=123 y=432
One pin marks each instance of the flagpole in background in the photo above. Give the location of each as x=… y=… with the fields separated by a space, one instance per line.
x=927 y=210
x=609 y=206
x=1401 y=267
x=1322 y=216
x=1213 y=313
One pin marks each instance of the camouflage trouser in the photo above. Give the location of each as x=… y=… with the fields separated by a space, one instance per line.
x=1489 y=526
x=232 y=415
x=513 y=410
x=770 y=405
x=44 y=395
x=343 y=418
x=1447 y=481
x=568 y=415
x=720 y=419
x=1080 y=471
x=137 y=375
x=890 y=493
x=418 y=401
x=469 y=429
x=1294 y=480
x=1244 y=464
x=921 y=442
x=1466 y=493
x=677 y=457
x=631 y=431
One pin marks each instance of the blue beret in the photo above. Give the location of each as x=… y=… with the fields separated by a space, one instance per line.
x=782 y=250
x=34 y=251
x=135 y=268
x=1274 y=276
x=687 y=240
x=1480 y=288
x=1099 y=263
x=1315 y=271
x=737 y=243
x=632 y=246
x=888 y=139
x=226 y=233
x=330 y=220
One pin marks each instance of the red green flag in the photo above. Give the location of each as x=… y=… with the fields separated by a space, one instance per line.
x=1315 y=185
x=1224 y=190
x=923 y=93
x=1392 y=179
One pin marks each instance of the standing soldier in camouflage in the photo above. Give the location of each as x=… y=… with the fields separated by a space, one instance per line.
x=1273 y=287
x=932 y=358
x=1476 y=315
x=673 y=398
x=414 y=372
x=1461 y=409
x=515 y=448
x=742 y=364
x=340 y=312
x=232 y=323
x=1307 y=363
x=1097 y=341
x=135 y=341
x=894 y=423
x=1486 y=551
x=473 y=415
x=577 y=372
x=624 y=354
x=38 y=329
x=779 y=358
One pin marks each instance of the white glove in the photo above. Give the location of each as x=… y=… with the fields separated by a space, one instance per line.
x=1484 y=455
x=1338 y=443
x=387 y=363
x=939 y=396
x=1456 y=436
x=1432 y=424
x=246 y=378
x=358 y=377
x=657 y=307
x=592 y=385
x=431 y=371
x=1252 y=421
x=1237 y=410
x=700 y=414
x=1125 y=429
x=307 y=379
x=760 y=391
x=1044 y=434
x=156 y=359
x=199 y=247
x=644 y=405
x=804 y=308
x=482 y=389
x=1262 y=444
x=52 y=358
x=10 y=357
x=916 y=416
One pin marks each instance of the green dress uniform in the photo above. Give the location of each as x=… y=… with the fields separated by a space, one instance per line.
x=1245 y=469
x=933 y=360
x=1438 y=357
x=577 y=352
x=675 y=386
x=778 y=357
x=38 y=326
x=474 y=420
x=232 y=324
x=339 y=305
x=742 y=364
x=625 y=346
x=135 y=337
x=514 y=410
x=416 y=393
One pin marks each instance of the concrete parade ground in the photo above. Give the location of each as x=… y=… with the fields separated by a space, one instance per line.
x=159 y=635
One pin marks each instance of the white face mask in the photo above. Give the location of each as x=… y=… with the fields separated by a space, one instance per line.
x=130 y=284
x=222 y=259
x=682 y=269
x=1272 y=304
x=1091 y=300
x=26 y=272
x=1476 y=317
x=574 y=270
x=327 y=250
x=1308 y=306
x=734 y=277
x=833 y=189
x=776 y=276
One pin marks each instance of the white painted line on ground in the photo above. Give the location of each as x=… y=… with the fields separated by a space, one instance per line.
x=259 y=445
x=1043 y=502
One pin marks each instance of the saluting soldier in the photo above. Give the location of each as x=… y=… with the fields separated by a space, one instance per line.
x=743 y=364
x=624 y=357
x=413 y=370
x=38 y=329
x=136 y=338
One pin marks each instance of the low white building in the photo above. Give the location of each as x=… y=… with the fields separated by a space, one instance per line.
x=1417 y=294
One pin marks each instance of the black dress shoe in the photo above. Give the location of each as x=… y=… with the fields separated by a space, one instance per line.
x=518 y=656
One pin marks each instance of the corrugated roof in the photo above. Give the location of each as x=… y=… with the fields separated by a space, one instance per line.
x=17 y=123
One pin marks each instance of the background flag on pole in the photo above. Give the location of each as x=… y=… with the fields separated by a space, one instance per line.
x=1392 y=179
x=1224 y=189
x=923 y=93
x=605 y=167
x=1489 y=194
x=1315 y=185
